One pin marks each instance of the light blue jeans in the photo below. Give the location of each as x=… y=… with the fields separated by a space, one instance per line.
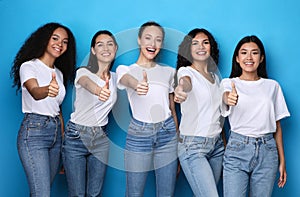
x=39 y=145
x=201 y=161
x=151 y=146
x=85 y=157
x=250 y=164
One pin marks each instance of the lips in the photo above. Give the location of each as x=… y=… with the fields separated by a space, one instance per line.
x=151 y=50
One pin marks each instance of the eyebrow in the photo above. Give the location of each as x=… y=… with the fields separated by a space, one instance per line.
x=59 y=36
x=106 y=42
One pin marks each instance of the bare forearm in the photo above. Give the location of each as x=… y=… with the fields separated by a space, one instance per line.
x=129 y=81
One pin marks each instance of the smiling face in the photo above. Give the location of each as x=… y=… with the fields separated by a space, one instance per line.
x=104 y=49
x=249 y=57
x=150 y=42
x=57 y=44
x=200 y=48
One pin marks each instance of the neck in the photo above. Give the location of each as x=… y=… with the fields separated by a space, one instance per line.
x=146 y=63
x=200 y=67
x=103 y=71
x=249 y=77
x=48 y=61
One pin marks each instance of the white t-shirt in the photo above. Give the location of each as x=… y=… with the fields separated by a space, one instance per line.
x=153 y=107
x=201 y=111
x=260 y=104
x=48 y=106
x=88 y=109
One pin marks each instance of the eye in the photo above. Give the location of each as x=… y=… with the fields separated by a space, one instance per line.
x=65 y=41
x=255 y=53
x=243 y=52
x=194 y=43
x=159 y=40
x=206 y=42
x=55 y=38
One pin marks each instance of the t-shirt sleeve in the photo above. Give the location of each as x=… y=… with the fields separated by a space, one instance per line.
x=121 y=71
x=27 y=71
x=172 y=80
x=281 y=110
x=80 y=73
x=225 y=87
x=183 y=72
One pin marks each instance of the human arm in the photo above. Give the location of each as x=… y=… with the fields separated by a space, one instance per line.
x=230 y=98
x=141 y=87
x=38 y=92
x=184 y=86
x=282 y=167
x=103 y=93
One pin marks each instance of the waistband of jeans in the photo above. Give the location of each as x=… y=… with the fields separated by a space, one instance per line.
x=86 y=128
x=247 y=139
x=187 y=138
x=33 y=115
x=146 y=124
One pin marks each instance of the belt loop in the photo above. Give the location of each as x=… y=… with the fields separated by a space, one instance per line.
x=247 y=140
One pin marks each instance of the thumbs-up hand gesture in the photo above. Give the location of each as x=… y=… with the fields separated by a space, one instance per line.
x=53 y=86
x=142 y=86
x=232 y=97
x=104 y=92
x=180 y=95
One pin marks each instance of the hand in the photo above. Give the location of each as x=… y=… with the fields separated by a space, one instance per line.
x=104 y=92
x=282 y=176
x=232 y=97
x=53 y=86
x=180 y=95
x=142 y=86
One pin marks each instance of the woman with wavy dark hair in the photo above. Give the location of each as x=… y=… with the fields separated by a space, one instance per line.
x=255 y=106
x=42 y=68
x=200 y=146
x=86 y=144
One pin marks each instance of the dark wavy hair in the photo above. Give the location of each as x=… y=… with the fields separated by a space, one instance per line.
x=236 y=69
x=150 y=23
x=184 y=56
x=92 y=63
x=35 y=46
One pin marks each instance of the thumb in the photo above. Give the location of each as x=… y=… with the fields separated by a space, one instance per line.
x=181 y=83
x=106 y=83
x=53 y=77
x=145 y=77
x=233 y=89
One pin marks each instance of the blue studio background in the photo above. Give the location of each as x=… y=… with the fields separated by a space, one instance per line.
x=276 y=22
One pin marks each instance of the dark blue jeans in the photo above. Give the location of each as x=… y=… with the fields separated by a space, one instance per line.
x=39 y=145
x=85 y=157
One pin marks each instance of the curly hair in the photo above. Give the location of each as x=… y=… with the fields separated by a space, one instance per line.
x=184 y=57
x=35 y=46
x=92 y=63
x=236 y=69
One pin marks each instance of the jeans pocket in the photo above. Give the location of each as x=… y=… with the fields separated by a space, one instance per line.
x=271 y=145
x=72 y=133
x=235 y=145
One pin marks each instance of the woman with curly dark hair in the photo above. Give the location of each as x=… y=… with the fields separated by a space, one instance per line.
x=42 y=68
x=200 y=146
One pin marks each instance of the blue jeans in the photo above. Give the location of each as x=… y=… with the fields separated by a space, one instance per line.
x=151 y=146
x=250 y=163
x=201 y=161
x=39 y=145
x=85 y=157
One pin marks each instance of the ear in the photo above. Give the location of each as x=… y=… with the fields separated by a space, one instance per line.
x=139 y=41
x=261 y=59
x=93 y=51
x=237 y=59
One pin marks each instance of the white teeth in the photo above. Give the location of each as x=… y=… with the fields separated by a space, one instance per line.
x=201 y=53
x=151 y=49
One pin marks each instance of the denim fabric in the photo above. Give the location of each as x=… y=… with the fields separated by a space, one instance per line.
x=201 y=161
x=250 y=164
x=85 y=157
x=39 y=145
x=151 y=146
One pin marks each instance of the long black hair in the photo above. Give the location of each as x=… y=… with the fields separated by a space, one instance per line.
x=236 y=69
x=92 y=62
x=35 y=46
x=184 y=57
